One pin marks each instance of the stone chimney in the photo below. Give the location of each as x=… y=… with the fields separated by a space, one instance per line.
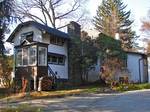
x=74 y=30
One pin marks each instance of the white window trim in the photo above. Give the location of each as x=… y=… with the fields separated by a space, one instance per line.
x=22 y=65
x=45 y=64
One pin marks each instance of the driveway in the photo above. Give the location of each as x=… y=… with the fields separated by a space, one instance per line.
x=136 y=101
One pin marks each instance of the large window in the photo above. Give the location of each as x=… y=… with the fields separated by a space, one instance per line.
x=26 y=56
x=28 y=36
x=56 y=59
x=32 y=55
x=19 y=57
x=57 y=41
x=42 y=59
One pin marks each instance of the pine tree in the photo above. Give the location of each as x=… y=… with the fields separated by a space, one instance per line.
x=112 y=18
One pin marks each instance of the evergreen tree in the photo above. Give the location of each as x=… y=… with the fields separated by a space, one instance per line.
x=112 y=18
x=6 y=9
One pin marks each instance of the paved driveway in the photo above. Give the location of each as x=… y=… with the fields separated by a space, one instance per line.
x=138 y=101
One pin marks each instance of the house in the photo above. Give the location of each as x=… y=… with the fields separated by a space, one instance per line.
x=136 y=68
x=43 y=51
x=39 y=51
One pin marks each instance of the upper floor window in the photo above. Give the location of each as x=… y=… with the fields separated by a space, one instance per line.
x=57 y=41
x=28 y=36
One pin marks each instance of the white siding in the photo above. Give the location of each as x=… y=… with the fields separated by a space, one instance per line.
x=148 y=59
x=62 y=70
x=132 y=65
x=135 y=67
x=37 y=34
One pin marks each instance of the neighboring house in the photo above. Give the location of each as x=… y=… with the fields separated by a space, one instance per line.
x=39 y=51
x=137 y=68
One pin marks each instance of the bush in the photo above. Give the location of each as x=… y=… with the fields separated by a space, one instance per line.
x=130 y=87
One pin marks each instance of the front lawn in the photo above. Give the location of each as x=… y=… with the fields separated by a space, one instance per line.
x=130 y=87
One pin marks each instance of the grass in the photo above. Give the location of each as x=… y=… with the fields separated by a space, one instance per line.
x=77 y=91
x=21 y=108
x=130 y=87
x=59 y=93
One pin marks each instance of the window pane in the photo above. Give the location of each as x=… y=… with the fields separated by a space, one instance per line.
x=54 y=59
x=25 y=56
x=53 y=40
x=42 y=60
x=19 y=57
x=32 y=55
x=60 y=60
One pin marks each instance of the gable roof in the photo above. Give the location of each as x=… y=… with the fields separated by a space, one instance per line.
x=40 y=27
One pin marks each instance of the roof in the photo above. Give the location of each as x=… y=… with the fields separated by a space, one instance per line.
x=40 y=27
x=137 y=53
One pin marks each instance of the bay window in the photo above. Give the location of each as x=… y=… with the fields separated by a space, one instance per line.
x=19 y=57
x=26 y=56
x=42 y=56
x=32 y=55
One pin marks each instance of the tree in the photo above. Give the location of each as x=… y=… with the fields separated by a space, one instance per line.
x=146 y=24
x=81 y=60
x=6 y=67
x=88 y=54
x=50 y=12
x=111 y=55
x=6 y=10
x=113 y=18
x=145 y=28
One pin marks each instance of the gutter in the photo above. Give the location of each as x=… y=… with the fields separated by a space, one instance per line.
x=140 y=70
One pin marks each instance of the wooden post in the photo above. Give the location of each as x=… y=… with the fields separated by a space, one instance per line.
x=40 y=84
x=35 y=82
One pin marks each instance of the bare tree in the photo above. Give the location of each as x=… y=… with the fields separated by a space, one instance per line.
x=51 y=12
x=145 y=28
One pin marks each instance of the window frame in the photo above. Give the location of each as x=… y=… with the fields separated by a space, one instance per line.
x=58 y=41
x=28 y=57
x=45 y=64
x=50 y=56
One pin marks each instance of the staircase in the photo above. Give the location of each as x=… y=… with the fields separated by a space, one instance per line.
x=52 y=75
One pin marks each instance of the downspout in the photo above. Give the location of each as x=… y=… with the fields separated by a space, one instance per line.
x=140 y=70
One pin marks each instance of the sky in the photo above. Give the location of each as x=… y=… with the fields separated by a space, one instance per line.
x=138 y=8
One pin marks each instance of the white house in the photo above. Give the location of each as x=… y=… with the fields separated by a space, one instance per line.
x=39 y=51
x=136 y=64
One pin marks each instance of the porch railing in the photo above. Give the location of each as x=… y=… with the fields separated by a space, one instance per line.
x=52 y=74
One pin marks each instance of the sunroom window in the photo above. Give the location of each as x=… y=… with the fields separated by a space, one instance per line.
x=19 y=57
x=42 y=56
x=26 y=56
x=32 y=55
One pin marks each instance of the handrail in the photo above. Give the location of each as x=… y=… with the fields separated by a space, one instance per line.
x=54 y=77
x=51 y=71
